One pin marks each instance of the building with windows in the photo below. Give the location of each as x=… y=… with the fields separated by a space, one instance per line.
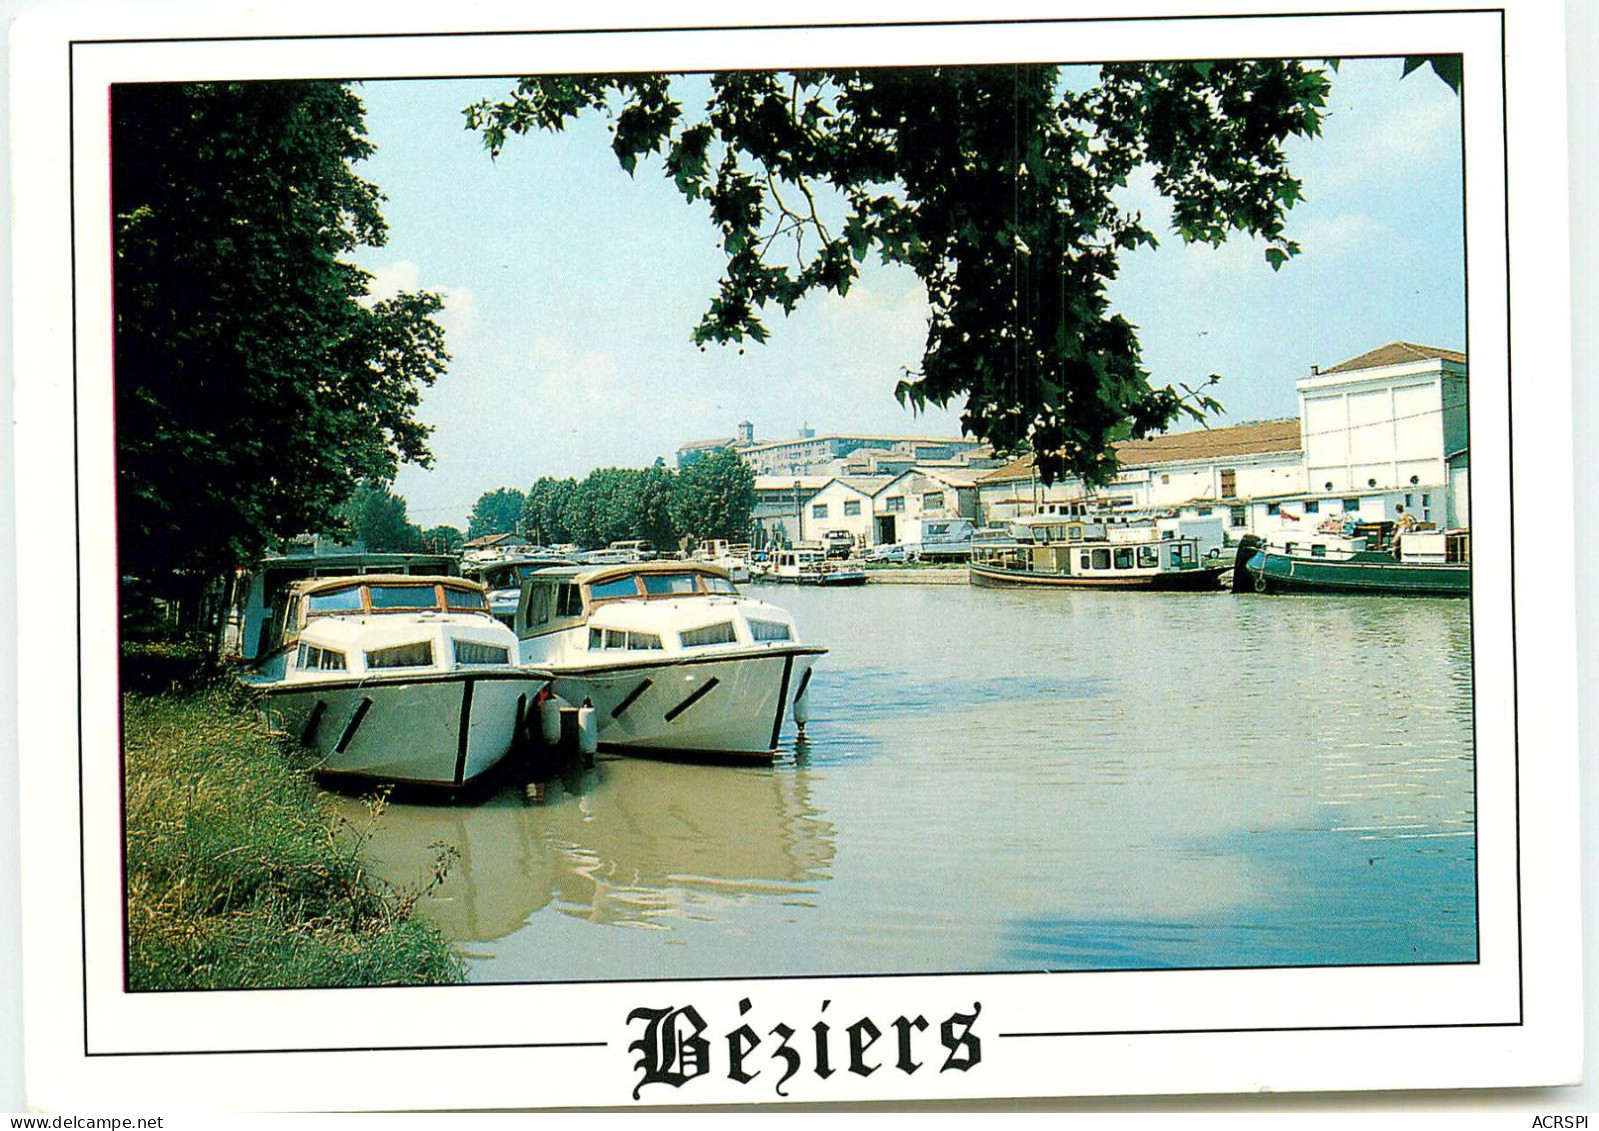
x=1216 y=467
x=843 y=504
x=696 y=450
x=903 y=505
x=779 y=515
x=809 y=454
x=1378 y=436
x=1389 y=422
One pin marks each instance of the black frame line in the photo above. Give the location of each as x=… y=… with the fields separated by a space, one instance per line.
x=1297 y=17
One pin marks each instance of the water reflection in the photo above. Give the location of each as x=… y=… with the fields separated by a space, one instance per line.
x=1018 y=781
x=615 y=844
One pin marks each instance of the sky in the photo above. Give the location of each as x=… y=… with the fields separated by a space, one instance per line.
x=571 y=290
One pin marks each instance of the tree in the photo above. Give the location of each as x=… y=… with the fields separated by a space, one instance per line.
x=256 y=381
x=378 y=521
x=653 y=505
x=995 y=184
x=714 y=498
x=543 y=510
x=443 y=540
x=495 y=512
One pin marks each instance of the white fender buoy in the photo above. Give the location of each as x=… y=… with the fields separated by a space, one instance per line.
x=802 y=710
x=588 y=731
x=550 y=720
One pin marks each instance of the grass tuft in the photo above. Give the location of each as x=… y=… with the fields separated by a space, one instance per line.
x=240 y=874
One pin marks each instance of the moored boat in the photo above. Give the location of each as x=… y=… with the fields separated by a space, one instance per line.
x=670 y=655
x=1081 y=553
x=808 y=566
x=503 y=579
x=1416 y=563
x=396 y=677
x=720 y=552
x=254 y=598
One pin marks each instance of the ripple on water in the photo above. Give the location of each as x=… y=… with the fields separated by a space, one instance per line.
x=1017 y=781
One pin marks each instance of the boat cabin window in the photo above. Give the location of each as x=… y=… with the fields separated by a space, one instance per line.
x=540 y=602
x=719 y=585
x=569 y=601
x=1184 y=554
x=312 y=658
x=1318 y=550
x=710 y=634
x=616 y=587
x=769 y=630
x=419 y=655
x=669 y=584
x=1148 y=557
x=404 y=597
x=618 y=638
x=344 y=600
x=464 y=599
x=1101 y=559
x=471 y=652
x=1124 y=557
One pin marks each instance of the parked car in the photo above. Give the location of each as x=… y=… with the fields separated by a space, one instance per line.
x=894 y=553
x=839 y=543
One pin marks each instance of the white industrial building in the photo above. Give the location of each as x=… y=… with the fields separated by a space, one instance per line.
x=1381 y=435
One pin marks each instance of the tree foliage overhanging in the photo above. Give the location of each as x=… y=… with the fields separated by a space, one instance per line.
x=256 y=381
x=995 y=184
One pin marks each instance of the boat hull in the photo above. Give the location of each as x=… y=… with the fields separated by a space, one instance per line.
x=1278 y=573
x=1188 y=580
x=442 y=730
x=729 y=706
x=836 y=579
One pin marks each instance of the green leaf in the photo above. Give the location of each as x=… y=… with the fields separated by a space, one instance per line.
x=1450 y=68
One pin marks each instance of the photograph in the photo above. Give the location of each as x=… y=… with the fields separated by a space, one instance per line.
x=745 y=563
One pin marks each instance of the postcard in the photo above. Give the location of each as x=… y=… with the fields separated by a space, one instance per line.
x=692 y=558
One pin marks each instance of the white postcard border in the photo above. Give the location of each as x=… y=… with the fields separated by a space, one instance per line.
x=1505 y=1020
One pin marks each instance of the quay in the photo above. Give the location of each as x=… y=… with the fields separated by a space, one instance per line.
x=917 y=576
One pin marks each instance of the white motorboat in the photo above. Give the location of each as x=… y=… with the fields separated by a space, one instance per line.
x=804 y=565
x=670 y=655
x=396 y=677
x=503 y=579
x=720 y=552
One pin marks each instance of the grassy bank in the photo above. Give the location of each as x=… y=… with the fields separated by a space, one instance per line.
x=239 y=873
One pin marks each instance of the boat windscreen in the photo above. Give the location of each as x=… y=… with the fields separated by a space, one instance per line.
x=719 y=585
x=616 y=587
x=404 y=597
x=665 y=584
x=347 y=599
x=464 y=599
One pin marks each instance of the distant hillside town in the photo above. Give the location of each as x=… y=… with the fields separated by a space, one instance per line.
x=1378 y=437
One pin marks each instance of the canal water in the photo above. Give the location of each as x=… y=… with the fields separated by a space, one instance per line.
x=1011 y=781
